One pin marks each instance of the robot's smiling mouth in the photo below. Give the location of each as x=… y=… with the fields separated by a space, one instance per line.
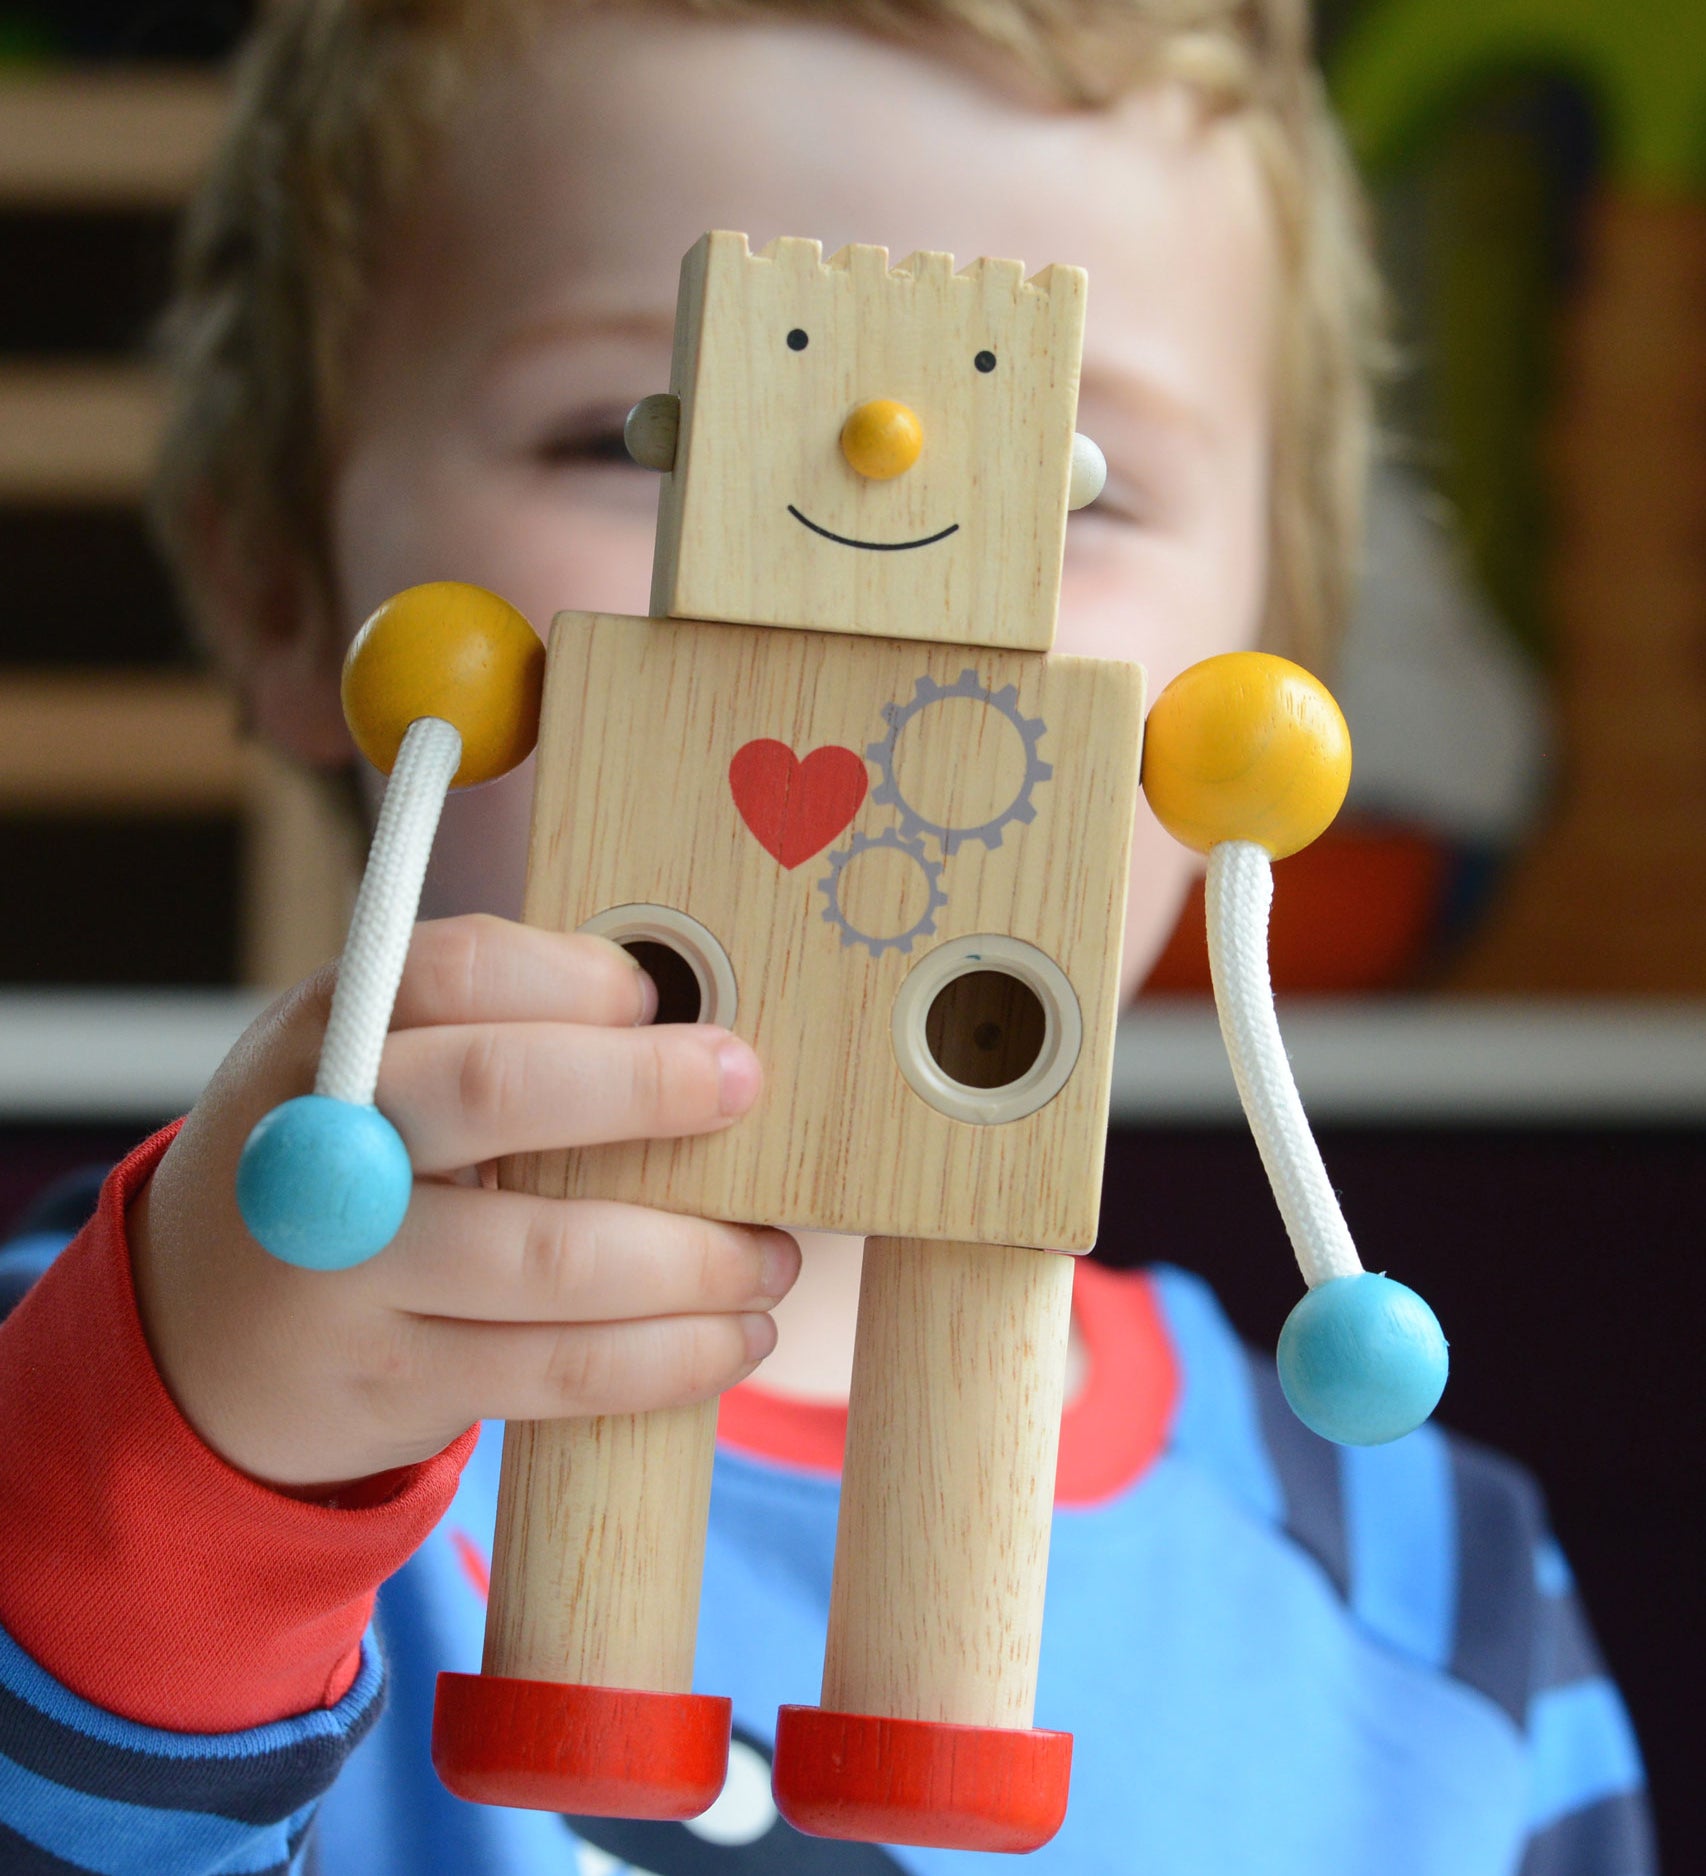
x=875 y=547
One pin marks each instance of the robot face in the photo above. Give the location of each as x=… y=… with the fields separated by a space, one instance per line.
x=866 y=450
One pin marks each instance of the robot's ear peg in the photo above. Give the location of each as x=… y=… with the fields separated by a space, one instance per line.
x=651 y=429
x=1362 y=1360
x=1089 y=472
x=1246 y=746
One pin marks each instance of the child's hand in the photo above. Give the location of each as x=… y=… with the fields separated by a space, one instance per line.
x=487 y=1304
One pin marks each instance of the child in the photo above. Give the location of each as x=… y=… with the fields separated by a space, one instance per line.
x=435 y=267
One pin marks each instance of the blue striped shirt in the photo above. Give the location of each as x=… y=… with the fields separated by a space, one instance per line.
x=1277 y=1656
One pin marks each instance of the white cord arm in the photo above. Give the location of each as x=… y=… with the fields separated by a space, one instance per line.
x=1240 y=892
x=385 y=909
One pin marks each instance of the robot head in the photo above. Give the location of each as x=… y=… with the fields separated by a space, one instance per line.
x=870 y=450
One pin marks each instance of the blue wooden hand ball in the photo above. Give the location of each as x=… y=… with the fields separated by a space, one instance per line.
x=324 y=1183
x=1362 y=1360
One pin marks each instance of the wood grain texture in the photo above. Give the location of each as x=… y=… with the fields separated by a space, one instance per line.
x=600 y=1548
x=953 y=1430
x=633 y=803
x=760 y=434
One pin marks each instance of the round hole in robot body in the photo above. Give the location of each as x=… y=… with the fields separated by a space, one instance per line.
x=987 y=1029
x=694 y=978
x=680 y=999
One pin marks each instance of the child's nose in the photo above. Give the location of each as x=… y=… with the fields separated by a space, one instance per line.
x=882 y=439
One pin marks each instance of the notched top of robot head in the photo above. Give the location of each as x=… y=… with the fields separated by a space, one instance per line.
x=869 y=266
x=913 y=413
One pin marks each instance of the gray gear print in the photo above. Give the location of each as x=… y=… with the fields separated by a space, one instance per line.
x=876 y=944
x=928 y=692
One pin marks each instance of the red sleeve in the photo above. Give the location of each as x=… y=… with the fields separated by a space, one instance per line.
x=138 y=1567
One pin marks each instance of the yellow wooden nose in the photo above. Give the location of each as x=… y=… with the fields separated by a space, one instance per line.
x=882 y=439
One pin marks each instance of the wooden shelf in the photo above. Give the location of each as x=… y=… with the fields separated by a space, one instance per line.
x=117 y=744
x=119 y=1056
x=123 y=746
x=76 y=432
x=1431 y=1062
x=124 y=139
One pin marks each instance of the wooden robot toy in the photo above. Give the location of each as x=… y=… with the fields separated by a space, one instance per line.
x=838 y=795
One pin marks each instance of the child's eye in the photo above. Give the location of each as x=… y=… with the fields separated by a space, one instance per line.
x=602 y=443
x=1118 y=506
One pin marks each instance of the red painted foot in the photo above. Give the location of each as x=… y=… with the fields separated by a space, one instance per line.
x=915 y=1781
x=599 y=1751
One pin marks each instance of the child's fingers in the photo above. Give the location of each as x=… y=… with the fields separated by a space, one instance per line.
x=479 y=969
x=463 y=1371
x=511 y=1257
x=475 y=1092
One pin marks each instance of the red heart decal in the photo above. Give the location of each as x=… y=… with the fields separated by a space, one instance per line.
x=796 y=808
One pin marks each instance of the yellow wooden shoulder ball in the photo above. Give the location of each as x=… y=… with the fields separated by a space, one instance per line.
x=451 y=651
x=1246 y=746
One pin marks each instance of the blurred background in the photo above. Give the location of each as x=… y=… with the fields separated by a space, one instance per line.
x=1495 y=967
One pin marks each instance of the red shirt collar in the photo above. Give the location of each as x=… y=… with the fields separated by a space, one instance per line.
x=1110 y=1433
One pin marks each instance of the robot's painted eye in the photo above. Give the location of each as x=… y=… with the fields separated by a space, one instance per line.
x=985 y=361
x=797 y=341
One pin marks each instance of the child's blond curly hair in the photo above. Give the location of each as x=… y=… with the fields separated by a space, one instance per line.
x=340 y=101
